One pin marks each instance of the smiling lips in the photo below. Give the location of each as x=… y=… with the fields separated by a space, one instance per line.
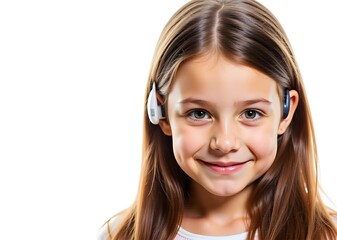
x=224 y=168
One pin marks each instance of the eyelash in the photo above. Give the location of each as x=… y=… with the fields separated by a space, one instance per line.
x=192 y=112
x=257 y=114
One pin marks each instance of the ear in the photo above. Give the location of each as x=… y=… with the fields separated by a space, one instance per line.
x=293 y=105
x=165 y=127
x=164 y=123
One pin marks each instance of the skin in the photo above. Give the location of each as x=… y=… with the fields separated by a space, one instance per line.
x=224 y=119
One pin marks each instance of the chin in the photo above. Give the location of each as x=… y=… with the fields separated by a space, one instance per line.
x=226 y=193
x=228 y=190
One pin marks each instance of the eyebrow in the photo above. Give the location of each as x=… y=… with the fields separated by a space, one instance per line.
x=241 y=103
x=253 y=101
x=196 y=101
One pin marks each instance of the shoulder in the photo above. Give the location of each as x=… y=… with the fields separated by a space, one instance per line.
x=103 y=233
x=106 y=231
x=333 y=215
x=334 y=219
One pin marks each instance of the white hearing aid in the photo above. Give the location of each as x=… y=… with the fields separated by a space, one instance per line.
x=154 y=111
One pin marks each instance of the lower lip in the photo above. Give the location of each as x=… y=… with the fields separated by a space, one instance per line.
x=224 y=170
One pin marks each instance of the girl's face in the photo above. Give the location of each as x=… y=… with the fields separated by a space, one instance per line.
x=224 y=119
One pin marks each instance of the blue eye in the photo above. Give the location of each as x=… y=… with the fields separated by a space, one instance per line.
x=198 y=114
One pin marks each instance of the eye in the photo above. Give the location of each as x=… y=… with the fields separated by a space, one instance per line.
x=251 y=114
x=198 y=114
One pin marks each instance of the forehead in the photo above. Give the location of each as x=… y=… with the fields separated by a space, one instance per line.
x=220 y=76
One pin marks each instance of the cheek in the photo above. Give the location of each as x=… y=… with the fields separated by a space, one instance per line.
x=263 y=144
x=186 y=143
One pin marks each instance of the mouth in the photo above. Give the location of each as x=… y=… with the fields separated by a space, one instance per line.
x=224 y=168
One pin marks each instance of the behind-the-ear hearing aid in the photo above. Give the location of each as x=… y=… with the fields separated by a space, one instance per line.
x=286 y=103
x=154 y=111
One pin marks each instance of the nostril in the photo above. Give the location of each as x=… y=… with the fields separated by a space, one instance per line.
x=224 y=145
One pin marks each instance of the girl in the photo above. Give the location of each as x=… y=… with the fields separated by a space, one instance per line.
x=229 y=148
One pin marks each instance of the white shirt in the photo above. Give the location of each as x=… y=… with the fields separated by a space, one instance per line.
x=185 y=235
x=181 y=235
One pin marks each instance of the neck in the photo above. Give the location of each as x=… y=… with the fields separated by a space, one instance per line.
x=206 y=210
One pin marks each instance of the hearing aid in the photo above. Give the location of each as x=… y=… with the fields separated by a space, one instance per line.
x=286 y=103
x=154 y=111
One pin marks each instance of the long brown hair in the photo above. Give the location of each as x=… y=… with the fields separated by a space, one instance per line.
x=286 y=203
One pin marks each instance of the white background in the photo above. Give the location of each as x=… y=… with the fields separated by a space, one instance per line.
x=72 y=81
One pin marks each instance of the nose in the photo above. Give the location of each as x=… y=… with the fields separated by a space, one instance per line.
x=225 y=138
